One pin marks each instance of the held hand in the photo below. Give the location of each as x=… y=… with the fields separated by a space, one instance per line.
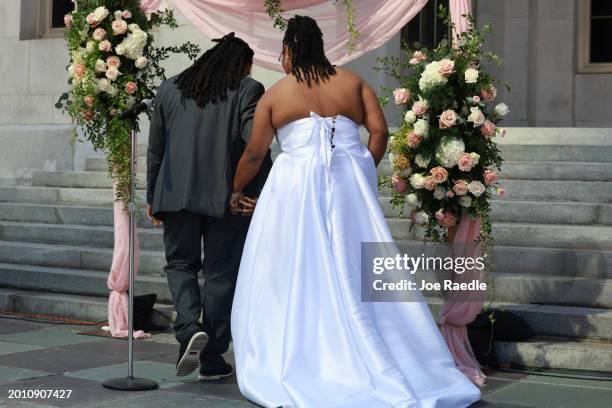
x=156 y=222
x=247 y=206
x=234 y=202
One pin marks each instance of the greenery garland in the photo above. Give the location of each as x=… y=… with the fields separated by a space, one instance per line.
x=275 y=10
x=113 y=64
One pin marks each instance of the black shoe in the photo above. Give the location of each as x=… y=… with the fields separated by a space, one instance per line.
x=215 y=370
x=189 y=352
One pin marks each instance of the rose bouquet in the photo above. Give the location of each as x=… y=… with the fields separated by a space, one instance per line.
x=444 y=156
x=113 y=64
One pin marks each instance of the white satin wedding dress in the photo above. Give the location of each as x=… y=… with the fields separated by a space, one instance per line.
x=302 y=337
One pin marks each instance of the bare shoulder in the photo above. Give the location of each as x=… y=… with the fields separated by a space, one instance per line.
x=347 y=75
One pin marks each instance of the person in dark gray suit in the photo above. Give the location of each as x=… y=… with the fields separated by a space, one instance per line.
x=201 y=123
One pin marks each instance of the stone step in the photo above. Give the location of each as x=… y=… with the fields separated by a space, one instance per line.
x=597 y=238
x=100 y=164
x=51 y=195
x=535 y=261
x=554 y=320
x=78 y=257
x=529 y=170
x=77 y=179
x=65 y=214
x=75 y=281
x=76 y=307
x=540 y=212
x=557 y=353
x=94 y=236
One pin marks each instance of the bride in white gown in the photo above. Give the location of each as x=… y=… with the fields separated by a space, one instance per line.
x=302 y=336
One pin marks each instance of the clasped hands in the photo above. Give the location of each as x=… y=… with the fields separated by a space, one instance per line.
x=241 y=204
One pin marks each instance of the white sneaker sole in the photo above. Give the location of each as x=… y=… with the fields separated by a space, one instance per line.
x=191 y=359
x=214 y=377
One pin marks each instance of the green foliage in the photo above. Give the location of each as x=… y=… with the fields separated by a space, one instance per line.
x=94 y=109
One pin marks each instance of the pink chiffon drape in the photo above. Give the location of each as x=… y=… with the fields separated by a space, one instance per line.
x=118 y=279
x=376 y=21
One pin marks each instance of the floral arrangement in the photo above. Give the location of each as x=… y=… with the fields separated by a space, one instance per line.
x=444 y=156
x=113 y=64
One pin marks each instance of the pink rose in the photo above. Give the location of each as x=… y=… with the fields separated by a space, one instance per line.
x=113 y=61
x=445 y=219
x=91 y=20
x=476 y=99
x=119 y=27
x=461 y=187
x=450 y=194
x=68 y=20
x=429 y=183
x=401 y=95
x=99 y=34
x=439 y=174
x=79 y=70
x=105 y=46
x=413 y=61
x=501 y=191
x=447 y=67
x=89 y=101
x=448 y=118
x=399 y=184
x=414 y=140
x=489 y=93
x=88 y=115
x=131 y=87
x=488 y=129
x=419 y=108
x=490 y=177
x=420 y=56
x=126 y=14
x=466 y=162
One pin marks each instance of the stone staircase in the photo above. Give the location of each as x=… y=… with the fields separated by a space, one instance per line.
x=553 y=254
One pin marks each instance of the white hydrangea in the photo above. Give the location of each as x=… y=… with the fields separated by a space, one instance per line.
x=410 y=117
x=449 y=151
x=422 y=160
x=133 y=45
x=431 y=76
x=412 y=199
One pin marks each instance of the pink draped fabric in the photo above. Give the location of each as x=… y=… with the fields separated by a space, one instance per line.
x=118 y=279
x=460 y=310
x=459 y=8
x=376 y=21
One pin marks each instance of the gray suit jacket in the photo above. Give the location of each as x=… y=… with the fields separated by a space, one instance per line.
x=193 y=152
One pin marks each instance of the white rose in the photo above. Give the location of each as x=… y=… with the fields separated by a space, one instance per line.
x=112 y=73
x=422 y=161
x=465 y=201
x=412 y=199
x=118 y=15
x=475 y=158
x=449 y=150
x=416 y=180
x=476 y=116
x=100 y=66
x=103 y=84
x=90 y=47
x=502 y=109
x=141 y=62
x=410 y=117
x=100 y=13
x=476 y=188
x=471 y=75
x=421 y=127
x=439 y=193
x=421 y=218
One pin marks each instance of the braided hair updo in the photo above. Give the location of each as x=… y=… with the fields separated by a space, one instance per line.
x=304 y=39
x=218 y=70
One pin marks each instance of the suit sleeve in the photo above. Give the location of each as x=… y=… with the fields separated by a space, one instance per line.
x=248 y=103
x=157 y=143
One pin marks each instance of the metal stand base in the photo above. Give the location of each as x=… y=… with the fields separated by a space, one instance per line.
x=130 y=384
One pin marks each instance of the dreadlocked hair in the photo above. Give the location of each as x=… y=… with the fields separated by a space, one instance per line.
x=304 y=39
x=217 y=71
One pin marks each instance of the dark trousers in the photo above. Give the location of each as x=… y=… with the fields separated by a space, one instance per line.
x=223 y=241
